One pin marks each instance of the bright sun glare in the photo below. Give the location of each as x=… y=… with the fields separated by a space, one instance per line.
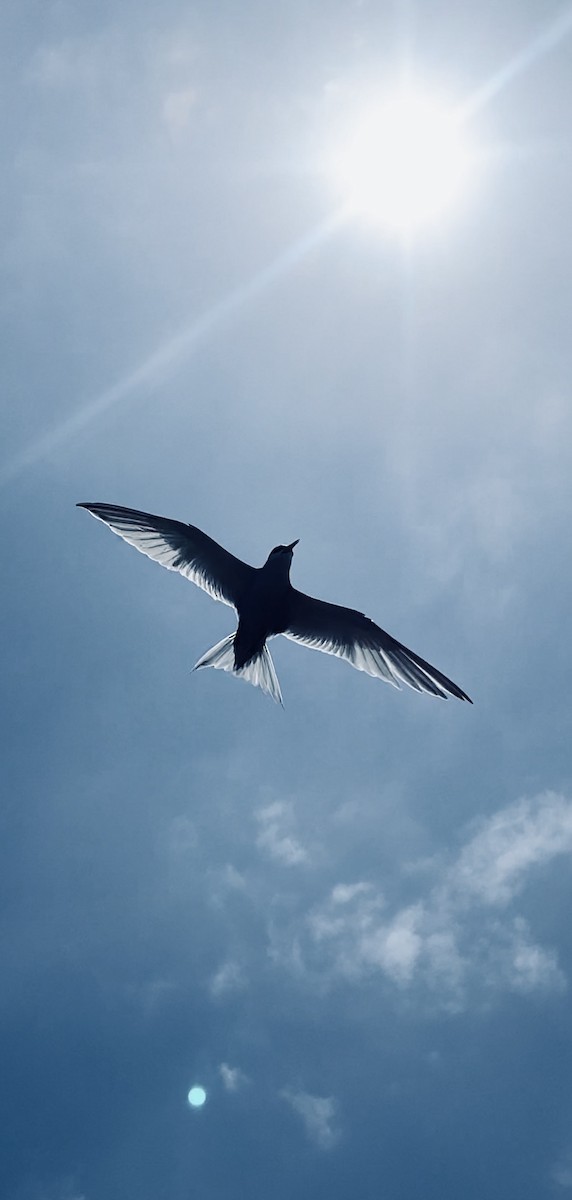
x=404 y=162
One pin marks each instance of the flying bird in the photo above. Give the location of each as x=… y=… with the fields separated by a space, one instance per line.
x=266 y=605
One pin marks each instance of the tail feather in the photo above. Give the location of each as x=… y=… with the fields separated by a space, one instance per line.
x=259 y=671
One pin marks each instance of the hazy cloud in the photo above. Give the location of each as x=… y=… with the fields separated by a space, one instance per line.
x=275 y=834
x=317 y=1113
x=229 y=978
x=232 y=1077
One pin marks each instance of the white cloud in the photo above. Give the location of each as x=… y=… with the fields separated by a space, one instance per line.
x=493 y=865
x=232 y=1077
x=359 y=915
x=455 y=942
x=523 y=966
x=344 y=892
x=395 y=946
x=362 y=937
x=229 y=978
x=275 y=836
x=317 y=1113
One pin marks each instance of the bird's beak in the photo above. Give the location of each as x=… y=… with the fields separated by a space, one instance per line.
x=292 y=544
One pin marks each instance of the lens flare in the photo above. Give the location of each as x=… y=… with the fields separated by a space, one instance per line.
x=197 y=1096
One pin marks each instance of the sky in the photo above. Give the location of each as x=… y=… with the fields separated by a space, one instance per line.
x=347 y=920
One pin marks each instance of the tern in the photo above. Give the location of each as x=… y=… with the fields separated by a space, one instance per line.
x=266 y=604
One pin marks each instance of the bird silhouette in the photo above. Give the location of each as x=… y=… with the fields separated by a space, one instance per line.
x=266 y=605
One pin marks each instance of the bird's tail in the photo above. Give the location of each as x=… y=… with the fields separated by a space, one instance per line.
x=259 y=671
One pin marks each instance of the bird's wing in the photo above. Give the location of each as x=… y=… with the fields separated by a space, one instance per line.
x=351 y=635
x=179 y=547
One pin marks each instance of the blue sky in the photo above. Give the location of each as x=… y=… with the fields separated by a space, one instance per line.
x=347 y=920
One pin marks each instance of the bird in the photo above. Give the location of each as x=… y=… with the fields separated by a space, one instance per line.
x=267 y=604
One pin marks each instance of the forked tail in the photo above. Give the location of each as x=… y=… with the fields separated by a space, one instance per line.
x=259 y=671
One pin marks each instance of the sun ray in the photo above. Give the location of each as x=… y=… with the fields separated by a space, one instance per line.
x=541 y=45
x=157 y=367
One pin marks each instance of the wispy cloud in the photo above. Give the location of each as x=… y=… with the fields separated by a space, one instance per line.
x=232 y=1077
x=229 y=978
x=494 y=864
x=457 y=942
x=317 y=1114
x=275 y=834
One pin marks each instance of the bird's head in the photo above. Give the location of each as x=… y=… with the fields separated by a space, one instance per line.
x=282 y=555
x=286 y=550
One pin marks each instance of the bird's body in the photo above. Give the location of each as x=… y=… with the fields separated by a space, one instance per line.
x=266 y=605
x=264 y=610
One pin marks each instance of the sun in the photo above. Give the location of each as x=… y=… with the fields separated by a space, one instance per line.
x=404 y=162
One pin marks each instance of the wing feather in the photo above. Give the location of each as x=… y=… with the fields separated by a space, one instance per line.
x=179 y=547
x=352 y=636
